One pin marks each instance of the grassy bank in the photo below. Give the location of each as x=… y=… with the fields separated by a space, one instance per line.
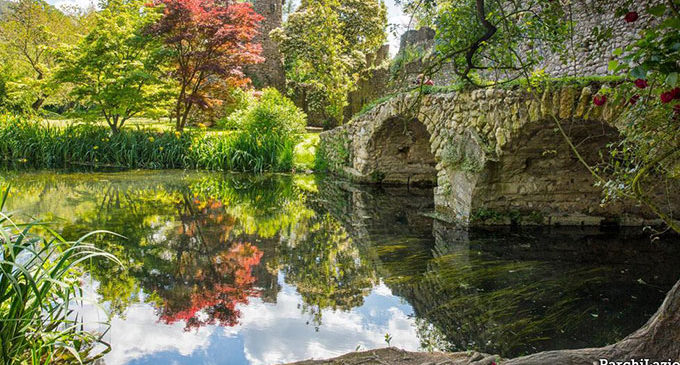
x=33 y=144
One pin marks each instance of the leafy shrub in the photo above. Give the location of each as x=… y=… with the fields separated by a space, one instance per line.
x=233 y=108
x=269 y=131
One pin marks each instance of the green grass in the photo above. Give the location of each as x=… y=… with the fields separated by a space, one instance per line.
x=53 y=145
x=305 y=152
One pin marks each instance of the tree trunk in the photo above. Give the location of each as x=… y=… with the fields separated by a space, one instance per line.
x=658 y=340
x=38 y=103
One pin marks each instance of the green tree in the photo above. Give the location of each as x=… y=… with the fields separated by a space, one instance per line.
x=483 y=38
x=325 y=44
x=115 y=70
x=30 y=33
x=489 y=42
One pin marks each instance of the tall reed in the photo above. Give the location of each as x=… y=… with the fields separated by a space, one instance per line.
x=25 y=143
x=39 y=287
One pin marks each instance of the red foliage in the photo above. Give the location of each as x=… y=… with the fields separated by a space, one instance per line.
x=631 y=16
x=641 y=83
x=634 y=99
x=676 y=93
x=600 y=100
x=216 y=291
x=211 y=41
x=667 y=97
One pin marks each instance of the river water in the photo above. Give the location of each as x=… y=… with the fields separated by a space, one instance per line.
x=244 y=269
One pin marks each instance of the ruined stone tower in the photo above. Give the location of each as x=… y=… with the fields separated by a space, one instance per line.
x=269 y=73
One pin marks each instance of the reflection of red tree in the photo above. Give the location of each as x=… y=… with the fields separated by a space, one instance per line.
x=213 y=302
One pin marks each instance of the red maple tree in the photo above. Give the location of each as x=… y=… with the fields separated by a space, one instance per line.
x=210 y=42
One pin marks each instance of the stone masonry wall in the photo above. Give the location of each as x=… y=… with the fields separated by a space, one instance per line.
x=269 y=73
x=597 y=33
x=496 y=155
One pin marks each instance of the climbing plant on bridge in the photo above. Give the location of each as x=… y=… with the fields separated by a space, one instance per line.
x=493 y=42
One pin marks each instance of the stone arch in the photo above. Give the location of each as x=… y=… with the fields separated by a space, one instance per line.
x=537 y=179
x=398 y=152
x=497 y=155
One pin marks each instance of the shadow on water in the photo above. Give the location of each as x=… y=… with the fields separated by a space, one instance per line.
x=201 y=246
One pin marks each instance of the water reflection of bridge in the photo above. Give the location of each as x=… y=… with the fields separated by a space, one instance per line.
x=207 y=242
x=504 y=290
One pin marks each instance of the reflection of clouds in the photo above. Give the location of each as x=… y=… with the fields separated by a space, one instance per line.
x=269 y=333
x=140 y=334
x=278 y=333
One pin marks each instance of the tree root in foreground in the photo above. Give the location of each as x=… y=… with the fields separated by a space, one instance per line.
x=658 y=340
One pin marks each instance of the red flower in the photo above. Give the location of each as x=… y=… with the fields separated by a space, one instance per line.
x=641 y=83
x=667 y=97
x=429 y=82
x=634 y=99
x=676 y=93
x=599 y=100
x=631 y=16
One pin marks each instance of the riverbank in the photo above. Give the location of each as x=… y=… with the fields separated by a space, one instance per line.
x=32 y=144
x=394 y=356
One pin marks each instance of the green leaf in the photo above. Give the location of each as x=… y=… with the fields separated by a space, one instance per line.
x=618 y=52
x=638 y=72
x=658 y=10
x=672 y=79
x=613 y=64
x=671 y=23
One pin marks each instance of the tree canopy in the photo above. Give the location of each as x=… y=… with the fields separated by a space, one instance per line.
x=116 y=69
x=325 y=44
x=209 y=43
x=30 y=32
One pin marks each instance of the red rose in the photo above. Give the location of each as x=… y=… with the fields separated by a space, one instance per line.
x=599 y=100
x=429 y=82
x=631 y=16
x=641 y=83
x=676 y=93
x=634 y=99
x=667 y=97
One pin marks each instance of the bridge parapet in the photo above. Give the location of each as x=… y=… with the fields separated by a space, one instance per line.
x=494 y=156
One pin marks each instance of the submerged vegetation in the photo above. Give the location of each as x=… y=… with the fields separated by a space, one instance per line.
x=202 y=247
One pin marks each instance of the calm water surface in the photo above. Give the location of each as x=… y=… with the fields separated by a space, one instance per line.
x=241 y=269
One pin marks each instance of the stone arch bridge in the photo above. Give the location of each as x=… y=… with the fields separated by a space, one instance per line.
x=493 y=156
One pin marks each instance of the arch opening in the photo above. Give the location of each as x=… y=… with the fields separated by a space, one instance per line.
x=400 y=154
x=539 y=180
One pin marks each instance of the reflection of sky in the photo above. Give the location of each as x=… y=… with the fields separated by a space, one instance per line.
x=268 y=333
